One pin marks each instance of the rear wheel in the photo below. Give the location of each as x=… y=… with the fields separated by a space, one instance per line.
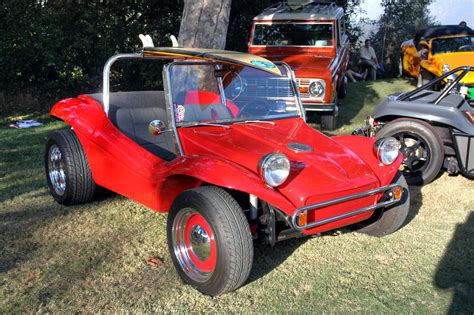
x=421 y=146
x=209 y=240
x=328 y=122
x=67 y=169
x=387 y=221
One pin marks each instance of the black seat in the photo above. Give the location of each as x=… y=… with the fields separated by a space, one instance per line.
x=131 y=112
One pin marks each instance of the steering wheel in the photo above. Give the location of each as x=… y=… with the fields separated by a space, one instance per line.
x=465 y=48
x=254 y=108
x=236 y=86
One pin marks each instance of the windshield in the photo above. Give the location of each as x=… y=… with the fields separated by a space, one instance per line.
x=212 y=93
x=449 y=45
x=293 y=34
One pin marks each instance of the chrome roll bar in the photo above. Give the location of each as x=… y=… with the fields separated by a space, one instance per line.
x=106 y=77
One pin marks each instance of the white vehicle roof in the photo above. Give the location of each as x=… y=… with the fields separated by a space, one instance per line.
x=312 y=11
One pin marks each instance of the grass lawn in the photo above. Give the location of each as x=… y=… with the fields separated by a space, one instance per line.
x=91 y=258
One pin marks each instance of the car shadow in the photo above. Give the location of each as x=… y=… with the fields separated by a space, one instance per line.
x=416 y=201
x=17 y=229
x=455 y=271
x=267 y=258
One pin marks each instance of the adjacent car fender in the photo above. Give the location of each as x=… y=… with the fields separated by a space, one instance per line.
x=445 y=115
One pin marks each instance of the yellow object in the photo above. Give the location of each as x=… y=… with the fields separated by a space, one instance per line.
x=225 y=56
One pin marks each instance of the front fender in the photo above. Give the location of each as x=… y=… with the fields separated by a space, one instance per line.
x=229 y=175
x=363 y=147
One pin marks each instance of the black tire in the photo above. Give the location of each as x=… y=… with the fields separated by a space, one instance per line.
x=423 y=163
x=387 y=221
x=342 y=91
x=424 y=77
x=221 y=216
x=328 y=122
x=69 y=176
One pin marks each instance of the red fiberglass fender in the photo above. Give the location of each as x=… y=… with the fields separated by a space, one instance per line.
x=83 y=113
x=223 y=173
x=363 y=147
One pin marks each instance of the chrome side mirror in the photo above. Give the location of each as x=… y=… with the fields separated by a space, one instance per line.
x=156 y=127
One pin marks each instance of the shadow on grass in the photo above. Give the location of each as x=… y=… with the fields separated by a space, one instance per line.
x=17 y=228
x=267 y=258
x=456 y=269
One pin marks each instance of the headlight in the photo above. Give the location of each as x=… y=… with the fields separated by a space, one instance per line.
x=274 y=169
x=317 y=88
x=387 y=150
x=446 y=68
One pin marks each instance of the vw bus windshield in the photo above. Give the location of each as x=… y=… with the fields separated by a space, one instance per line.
x=211 y=93
x=453 y=44
x=293 y=34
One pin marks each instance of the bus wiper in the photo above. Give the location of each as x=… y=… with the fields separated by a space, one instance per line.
x=256 y=121
x=195 y=124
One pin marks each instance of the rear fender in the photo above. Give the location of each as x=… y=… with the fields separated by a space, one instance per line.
x=442 y=115
x=84 y=114
x=364 y=148
x=224 y=174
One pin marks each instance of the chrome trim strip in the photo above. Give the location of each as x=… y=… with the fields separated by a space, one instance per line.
x=170 y=107
x=106 y=77
x=344 y=199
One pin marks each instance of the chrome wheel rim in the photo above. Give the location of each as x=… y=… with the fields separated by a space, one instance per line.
x=193 y=245
x=56 y=170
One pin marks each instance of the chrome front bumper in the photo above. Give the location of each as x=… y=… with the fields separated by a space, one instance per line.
x=389 y=193
x=320 y=107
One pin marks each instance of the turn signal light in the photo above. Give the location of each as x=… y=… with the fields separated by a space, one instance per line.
x=397 y=193
x=303 y=218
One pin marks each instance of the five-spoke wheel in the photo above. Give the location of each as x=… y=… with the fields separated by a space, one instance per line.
x=421 y=146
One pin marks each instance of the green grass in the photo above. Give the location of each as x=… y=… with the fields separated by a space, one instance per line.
x=91 y=258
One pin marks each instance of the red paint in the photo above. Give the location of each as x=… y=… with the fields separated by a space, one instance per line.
x=209 y=264
x=228 y=158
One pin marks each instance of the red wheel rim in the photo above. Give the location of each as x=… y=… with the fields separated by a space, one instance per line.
x=194 y=245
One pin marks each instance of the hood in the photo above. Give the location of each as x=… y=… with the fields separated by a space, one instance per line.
x=455 y=60
x=328 y=168
x=306 y=64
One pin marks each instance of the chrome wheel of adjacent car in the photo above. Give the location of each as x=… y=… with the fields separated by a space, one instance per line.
x=56 y=171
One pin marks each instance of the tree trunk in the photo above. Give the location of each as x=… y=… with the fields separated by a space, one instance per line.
x=204 y=24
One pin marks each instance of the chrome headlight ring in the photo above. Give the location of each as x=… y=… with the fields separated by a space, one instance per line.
x=387 y=150
x=274 y=169
x=317 y=88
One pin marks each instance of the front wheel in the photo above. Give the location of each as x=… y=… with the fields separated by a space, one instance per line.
x=421 y=146
x=209 y=240
x=387 y=221
x=328 y=122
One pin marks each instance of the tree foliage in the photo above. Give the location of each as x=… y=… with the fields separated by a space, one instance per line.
x=399 y=22
x=57 y=48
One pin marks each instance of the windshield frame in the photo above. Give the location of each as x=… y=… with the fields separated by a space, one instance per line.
x=300 y=112
x=330 y=22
